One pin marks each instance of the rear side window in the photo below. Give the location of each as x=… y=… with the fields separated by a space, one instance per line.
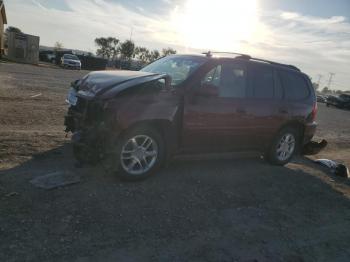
x=233 y=80
x=262 y=81
x=295 y=86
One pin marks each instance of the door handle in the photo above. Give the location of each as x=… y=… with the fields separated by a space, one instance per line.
x=241 y=111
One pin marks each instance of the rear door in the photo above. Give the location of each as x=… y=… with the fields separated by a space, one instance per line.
x=264 y=104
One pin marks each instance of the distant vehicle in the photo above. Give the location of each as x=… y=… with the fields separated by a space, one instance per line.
x=51 y=58
x=47 y=56
x=186 y=104
x=321 y=99
x=341 y=101
x=70 y=61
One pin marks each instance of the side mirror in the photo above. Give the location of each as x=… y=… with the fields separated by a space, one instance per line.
x=208 y=90
x=168 y=82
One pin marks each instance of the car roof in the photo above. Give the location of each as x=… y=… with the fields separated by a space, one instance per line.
x=243 y=57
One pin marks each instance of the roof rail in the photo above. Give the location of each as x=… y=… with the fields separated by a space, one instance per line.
x=275 y=63
x=248 y=57
x=209 y=53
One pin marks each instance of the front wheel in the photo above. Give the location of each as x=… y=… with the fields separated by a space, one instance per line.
x=140 y=153
x=283 y=147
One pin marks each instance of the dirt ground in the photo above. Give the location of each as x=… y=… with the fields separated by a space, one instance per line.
x=239 y=209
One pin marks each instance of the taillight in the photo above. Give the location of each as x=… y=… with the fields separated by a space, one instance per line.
x=314 y=112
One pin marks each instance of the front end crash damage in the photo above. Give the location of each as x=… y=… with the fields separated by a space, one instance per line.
x=93 y=129
x=92 y=115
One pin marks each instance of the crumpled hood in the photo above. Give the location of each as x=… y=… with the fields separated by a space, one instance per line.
x=99 y=82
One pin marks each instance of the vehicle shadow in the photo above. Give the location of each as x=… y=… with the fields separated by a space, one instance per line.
x=219 y=209
x=62 y=159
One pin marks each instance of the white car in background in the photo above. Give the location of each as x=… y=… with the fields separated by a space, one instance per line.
x=70 y=61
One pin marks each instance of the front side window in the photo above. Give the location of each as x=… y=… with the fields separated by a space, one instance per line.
x=213 y=77
x=178 y=67
x=228 y=80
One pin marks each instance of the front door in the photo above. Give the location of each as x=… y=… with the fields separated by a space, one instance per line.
x=215 y=118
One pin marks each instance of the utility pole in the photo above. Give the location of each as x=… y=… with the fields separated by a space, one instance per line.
x=330 y=80
x=132 y=30
x=319 y=80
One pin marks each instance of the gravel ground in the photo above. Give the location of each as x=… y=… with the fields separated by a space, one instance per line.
x=239 y=209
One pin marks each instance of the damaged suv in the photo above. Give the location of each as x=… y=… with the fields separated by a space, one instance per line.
x=188 y=104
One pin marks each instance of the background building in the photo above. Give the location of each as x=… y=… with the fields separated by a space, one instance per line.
x=22 y=48
x=3 y=21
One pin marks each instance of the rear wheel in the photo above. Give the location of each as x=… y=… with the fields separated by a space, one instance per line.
x=140 y=153
x=284 y=146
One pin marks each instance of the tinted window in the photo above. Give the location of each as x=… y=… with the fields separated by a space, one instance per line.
x=233 y=81
x=229 y=80
x=213 y=77
x=295 y=86
x=262 y=82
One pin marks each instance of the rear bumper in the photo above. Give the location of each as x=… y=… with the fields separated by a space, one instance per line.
x=309 y=132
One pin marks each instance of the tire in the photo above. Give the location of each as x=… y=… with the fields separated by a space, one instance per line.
x=275 y=153
x=141 y=160
x=327 y=104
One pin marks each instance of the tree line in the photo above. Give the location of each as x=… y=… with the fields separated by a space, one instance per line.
x=112 y=48
x=326 y=90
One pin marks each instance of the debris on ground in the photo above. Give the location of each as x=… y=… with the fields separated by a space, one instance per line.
x=11 y=194
x=56 y=179
x=336 y=168
x=313 y=147
x=33 y=96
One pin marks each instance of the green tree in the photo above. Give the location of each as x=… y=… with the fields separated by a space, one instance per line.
x=127 y=49
x=154 y=55
x=108 y=47
x=146 y=56
x=13 y=29
x=58 y=46
x=142 y=54
x=168 y=51
x=325 y=90
x=338 y=92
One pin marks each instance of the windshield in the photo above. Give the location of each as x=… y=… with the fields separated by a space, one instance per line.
x=72 y=57
x=178 y=67
x=345 y=97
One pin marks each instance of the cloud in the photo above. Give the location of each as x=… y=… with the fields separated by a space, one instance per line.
x=85 y=20
x=318 y=45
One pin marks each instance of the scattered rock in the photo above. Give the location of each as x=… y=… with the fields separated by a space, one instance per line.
x=56 y=179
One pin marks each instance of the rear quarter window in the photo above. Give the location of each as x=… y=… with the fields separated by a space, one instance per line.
x=295 y=86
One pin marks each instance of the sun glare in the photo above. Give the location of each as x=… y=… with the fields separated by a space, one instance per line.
x=216 y=25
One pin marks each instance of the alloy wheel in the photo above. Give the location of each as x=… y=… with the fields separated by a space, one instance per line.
x=139 y=154
x=285 y=147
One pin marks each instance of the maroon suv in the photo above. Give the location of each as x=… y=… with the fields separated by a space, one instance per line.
x=187 y=104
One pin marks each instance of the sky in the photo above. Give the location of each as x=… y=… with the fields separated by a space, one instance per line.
x=313 y=35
